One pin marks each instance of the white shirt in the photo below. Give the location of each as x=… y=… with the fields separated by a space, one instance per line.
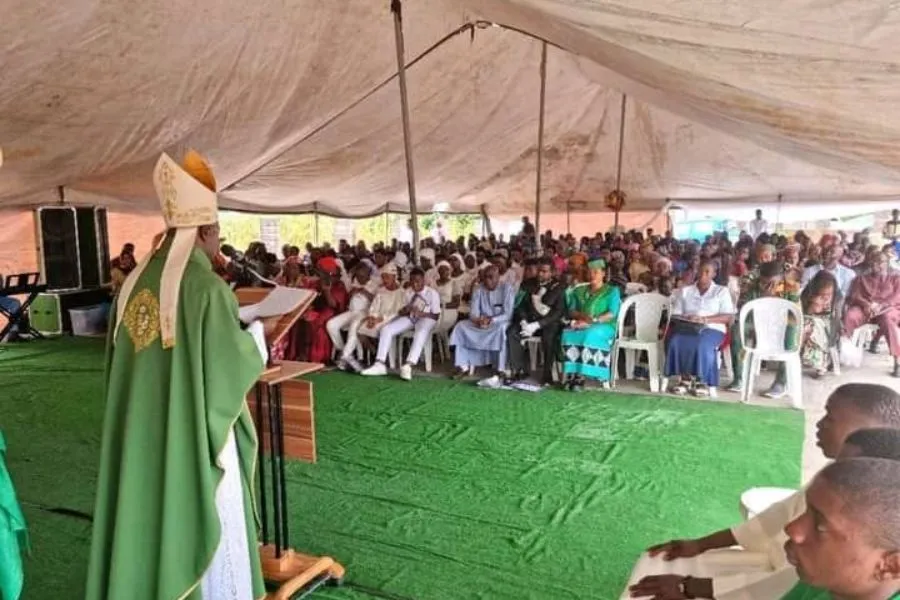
x=446 y=291
x=427 y=300
x=387 y=303
x=842 y=274
x=359 y=302
x=758 y=227
x=716 y=301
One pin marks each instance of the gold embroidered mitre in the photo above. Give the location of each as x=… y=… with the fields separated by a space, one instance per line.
x=187 y=193
x=187 y=196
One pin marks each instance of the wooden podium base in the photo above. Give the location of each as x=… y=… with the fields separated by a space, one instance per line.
x=295 y=572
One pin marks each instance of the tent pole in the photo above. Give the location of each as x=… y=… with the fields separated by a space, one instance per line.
x=397 y=10
x=778 y=216
x=540 y=145
x=387 y=237
x=485 y=222
x=619 y=163
x=669 y=217
x=316 y=223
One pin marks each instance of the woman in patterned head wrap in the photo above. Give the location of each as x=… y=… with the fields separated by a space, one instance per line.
x=587 y=342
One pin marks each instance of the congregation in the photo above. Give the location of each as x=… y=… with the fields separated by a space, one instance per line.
x=488 y=296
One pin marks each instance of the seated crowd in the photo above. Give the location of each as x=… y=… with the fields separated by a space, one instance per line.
x=496 y=300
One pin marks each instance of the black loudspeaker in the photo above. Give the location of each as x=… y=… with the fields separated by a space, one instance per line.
x=74 y=247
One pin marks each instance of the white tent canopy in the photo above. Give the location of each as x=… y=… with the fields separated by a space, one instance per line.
x=297 y=103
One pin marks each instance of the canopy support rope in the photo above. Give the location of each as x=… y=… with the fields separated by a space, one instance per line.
x=397 y=10
x=540 y=144
x=619 y=162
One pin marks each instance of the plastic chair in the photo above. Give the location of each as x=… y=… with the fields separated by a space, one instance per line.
x=770 y=321
x=864 y=335
x=536 y=357
x=534 y=350
x=648 y=312
x=448 y=319
x=396 y=349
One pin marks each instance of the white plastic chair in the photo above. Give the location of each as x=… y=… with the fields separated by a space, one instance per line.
x=536 y=357
x=448 y=319
x=864 y=335
x=534 y=351
x=770 y=323
x=396 y=349
x=648 y=312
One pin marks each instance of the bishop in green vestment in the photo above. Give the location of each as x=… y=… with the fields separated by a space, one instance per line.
x=175 y=515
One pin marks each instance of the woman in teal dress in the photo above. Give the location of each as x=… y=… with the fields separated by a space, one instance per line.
x=587 y=342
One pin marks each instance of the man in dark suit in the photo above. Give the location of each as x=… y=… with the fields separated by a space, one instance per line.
x=539 y=311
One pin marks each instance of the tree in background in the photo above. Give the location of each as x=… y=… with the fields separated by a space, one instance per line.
x=298 y=230
x=239 y=229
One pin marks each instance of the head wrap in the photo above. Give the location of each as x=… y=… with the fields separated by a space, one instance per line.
x=662 y=260
x=462 y=262
x=389 y=269
x=444 y=263
x=597 y=264
x=427 y=253
x=373 y=269
x=579 y=259
x=187 y=197
x=328 y=264
x=401 y=260
x=770 y=247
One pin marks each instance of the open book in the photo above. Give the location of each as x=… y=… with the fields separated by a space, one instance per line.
x=278 y=308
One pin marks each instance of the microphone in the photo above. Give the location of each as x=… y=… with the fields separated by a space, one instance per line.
x=234 y=255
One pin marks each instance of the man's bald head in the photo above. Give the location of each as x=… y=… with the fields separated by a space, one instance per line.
x=870 y=488
x=855 y=406
x=847 y=541
x=872 y=443
x=878 y=402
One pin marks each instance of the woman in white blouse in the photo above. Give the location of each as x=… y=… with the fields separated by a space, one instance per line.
x=701 y=314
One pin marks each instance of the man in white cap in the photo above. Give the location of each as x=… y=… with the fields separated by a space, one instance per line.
x=174 y=510
x=389 y=299
x=420 y=313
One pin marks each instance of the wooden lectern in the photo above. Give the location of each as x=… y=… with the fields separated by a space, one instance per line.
x=283 y=411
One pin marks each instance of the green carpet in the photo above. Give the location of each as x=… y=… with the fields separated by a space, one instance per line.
x=435 y=489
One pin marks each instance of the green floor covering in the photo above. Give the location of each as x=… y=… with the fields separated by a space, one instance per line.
x=431 y=489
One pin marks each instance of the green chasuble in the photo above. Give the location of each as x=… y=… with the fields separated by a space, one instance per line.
x=168 y=416
x=13 y=536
